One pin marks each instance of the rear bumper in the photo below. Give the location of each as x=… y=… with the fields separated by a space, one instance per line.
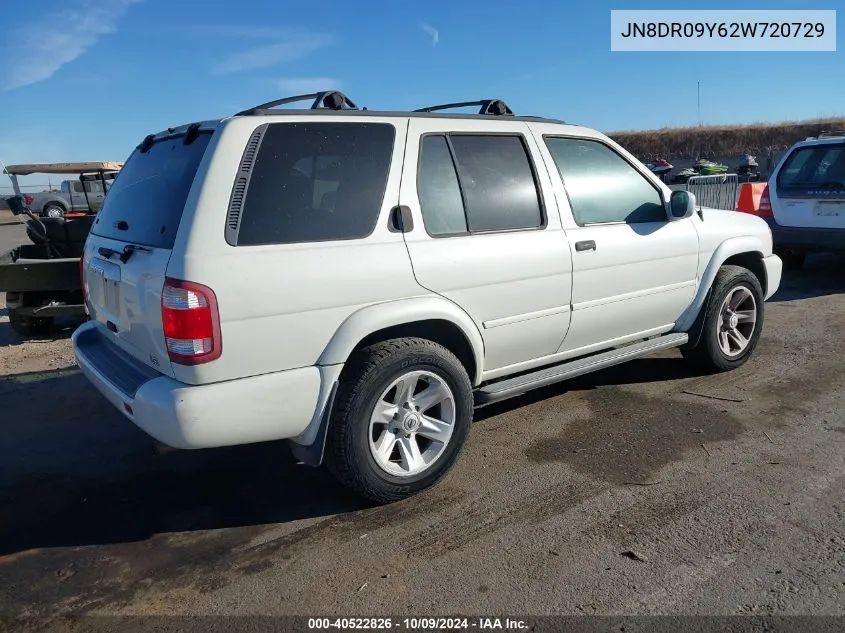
x=807 y=239
x=273 y=406
x=774 y=272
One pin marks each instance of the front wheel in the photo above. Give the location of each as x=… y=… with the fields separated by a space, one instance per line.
x=733 y=321
x=401 y=418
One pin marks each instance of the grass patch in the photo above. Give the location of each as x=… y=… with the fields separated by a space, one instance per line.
x=722 y=141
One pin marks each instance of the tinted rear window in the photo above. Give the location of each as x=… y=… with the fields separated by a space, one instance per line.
x=150 y=193
x=498 y=182
x=315 y=182
x=820 y=166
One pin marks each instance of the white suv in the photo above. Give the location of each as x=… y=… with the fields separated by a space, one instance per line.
x=807 y=198
x=357 y=281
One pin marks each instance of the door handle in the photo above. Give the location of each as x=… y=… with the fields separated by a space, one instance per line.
x=586 y=245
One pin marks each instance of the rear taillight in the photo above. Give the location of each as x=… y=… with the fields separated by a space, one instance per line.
x=191 y=322
x=28 y=199
x=765 y=210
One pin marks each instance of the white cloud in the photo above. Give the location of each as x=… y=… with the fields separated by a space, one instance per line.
x=307 y=85
x=247 y=31
x=283 y=46
x=433 y=33
x=37 y=51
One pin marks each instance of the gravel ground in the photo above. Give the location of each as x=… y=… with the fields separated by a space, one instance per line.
x=34 y=355
x=643 y=489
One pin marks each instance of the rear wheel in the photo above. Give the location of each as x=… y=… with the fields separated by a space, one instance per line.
x=401 y=418
x=54 y=211
x=732 y=323
x=26 y=325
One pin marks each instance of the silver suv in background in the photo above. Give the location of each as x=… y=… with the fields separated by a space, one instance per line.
x=807 y=197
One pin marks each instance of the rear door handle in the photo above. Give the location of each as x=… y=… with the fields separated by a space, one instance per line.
x=586 y=245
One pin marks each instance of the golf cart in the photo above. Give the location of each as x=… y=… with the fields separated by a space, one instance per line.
x=74 y=197
x=41 y=280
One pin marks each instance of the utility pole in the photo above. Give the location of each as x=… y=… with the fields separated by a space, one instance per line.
x=699 y=121
x=699 y=104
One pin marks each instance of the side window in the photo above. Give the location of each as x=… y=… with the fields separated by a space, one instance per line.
x=498 y=182
x=93 y=186
x=438 y=189
x=316 y=182
x=77 y=186
x=482 y=183
x=602 y=186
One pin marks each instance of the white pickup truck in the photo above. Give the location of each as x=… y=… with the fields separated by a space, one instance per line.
x=357 y=281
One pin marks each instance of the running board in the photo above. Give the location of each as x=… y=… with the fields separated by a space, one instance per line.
x=518 y=385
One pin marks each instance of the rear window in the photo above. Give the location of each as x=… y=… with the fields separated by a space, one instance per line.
x=316 y=182
x=148 y=198
x=820 y=166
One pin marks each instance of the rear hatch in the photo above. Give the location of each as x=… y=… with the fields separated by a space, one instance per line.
x=130 y=244
x=810 y=187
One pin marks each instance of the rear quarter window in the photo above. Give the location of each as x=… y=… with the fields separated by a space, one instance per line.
x=146 y=202
x=315 y=182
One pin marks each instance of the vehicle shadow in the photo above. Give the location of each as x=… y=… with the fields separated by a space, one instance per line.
x=664 y=368
x=73 y=472
x=822 y=275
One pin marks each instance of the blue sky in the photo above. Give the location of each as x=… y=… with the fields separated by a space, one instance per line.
x=87 y=80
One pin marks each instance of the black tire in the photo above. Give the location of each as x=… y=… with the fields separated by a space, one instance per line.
x=792 y=260
x=52 y=210
x=26 y=326
x=707 y=353
x=367 y=375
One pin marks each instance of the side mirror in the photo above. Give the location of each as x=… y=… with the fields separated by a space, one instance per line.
x=681 y=205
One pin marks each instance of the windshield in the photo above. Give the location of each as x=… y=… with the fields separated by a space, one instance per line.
x=819 y=166
x=145 y=204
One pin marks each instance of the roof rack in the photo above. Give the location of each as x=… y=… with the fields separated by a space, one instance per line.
x=495 y=107
x=831 y=133
x=328 y=99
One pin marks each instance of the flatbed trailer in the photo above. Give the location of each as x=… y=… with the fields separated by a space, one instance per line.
x=42 y=279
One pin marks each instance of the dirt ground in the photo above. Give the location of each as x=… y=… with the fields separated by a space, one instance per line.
x=643 y=489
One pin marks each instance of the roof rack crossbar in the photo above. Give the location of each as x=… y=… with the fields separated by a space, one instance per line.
x=831 y=133
x=487 y=106
x=328 y=99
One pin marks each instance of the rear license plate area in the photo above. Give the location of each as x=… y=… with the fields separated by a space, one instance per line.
x=829 y=208
x=104 y=287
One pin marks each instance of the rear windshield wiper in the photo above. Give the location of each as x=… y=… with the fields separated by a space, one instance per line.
x=125 y=254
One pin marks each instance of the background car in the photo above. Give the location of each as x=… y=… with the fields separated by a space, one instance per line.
x=807 y=196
